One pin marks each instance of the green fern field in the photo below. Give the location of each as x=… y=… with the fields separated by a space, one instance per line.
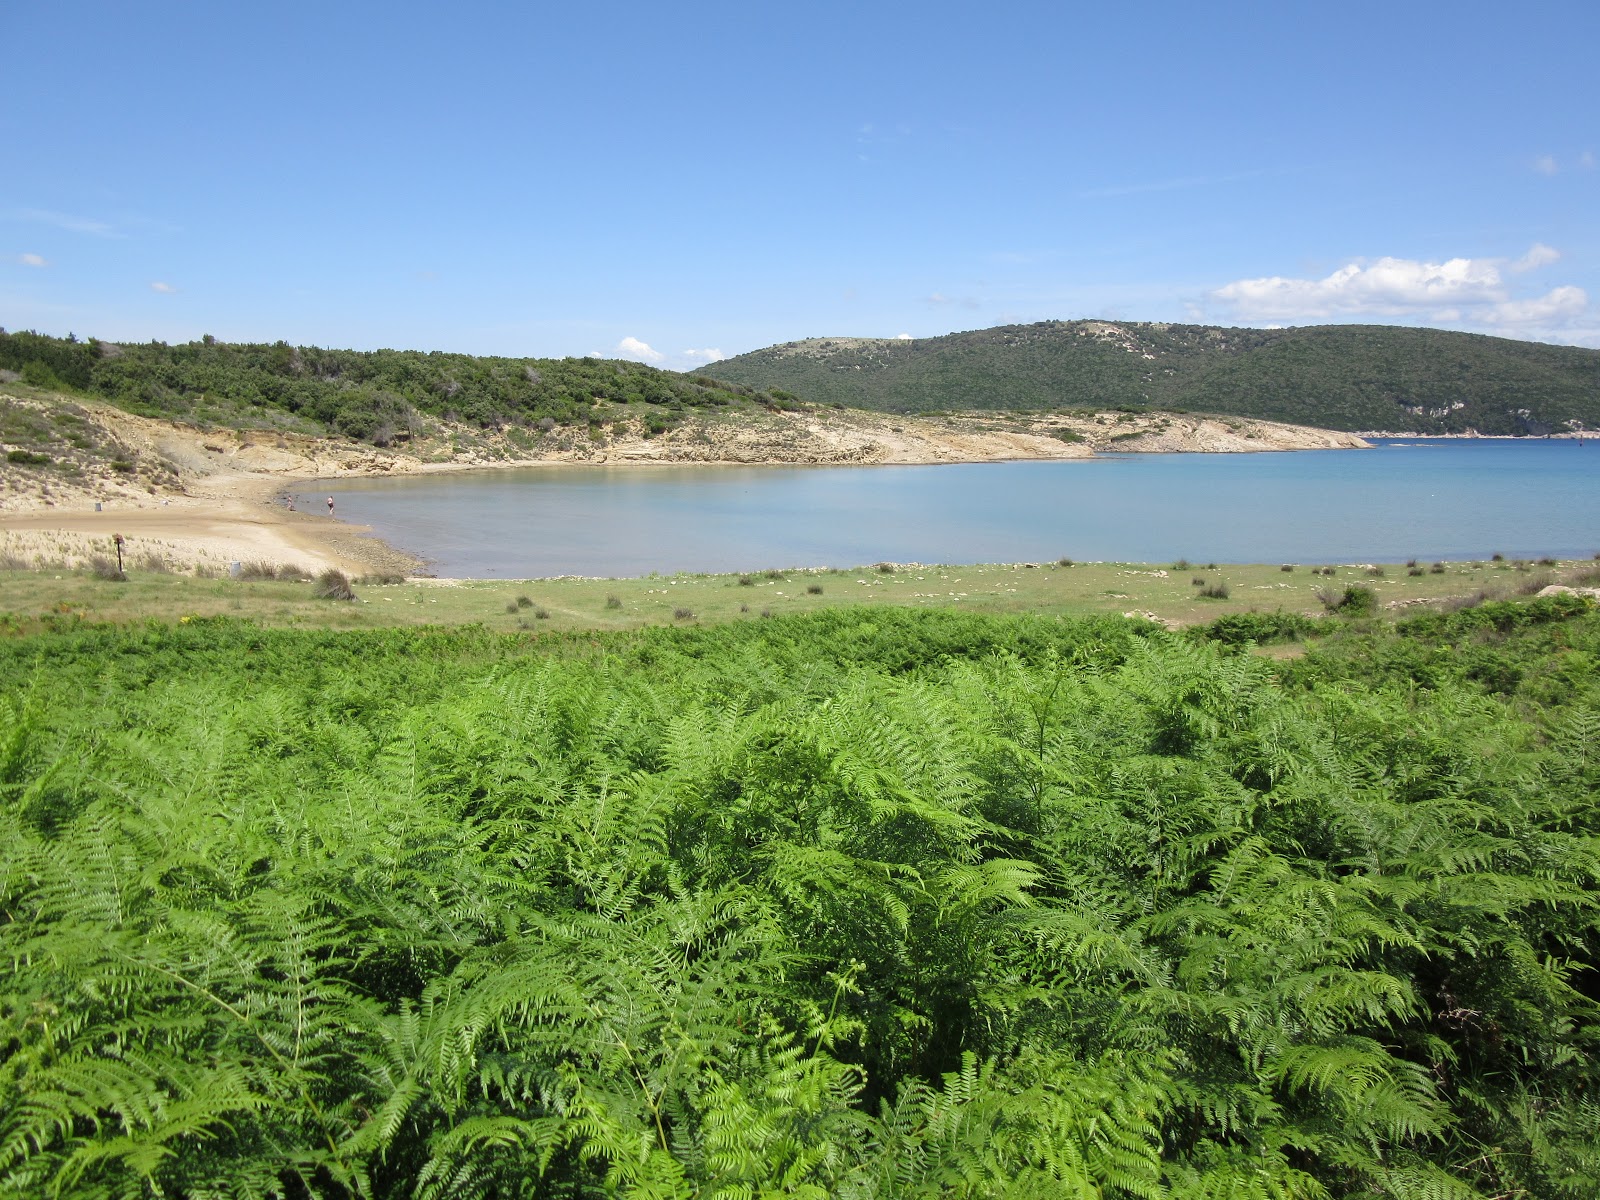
x=862 y=903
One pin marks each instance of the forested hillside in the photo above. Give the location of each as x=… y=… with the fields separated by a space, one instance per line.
x=378 y=396
x=864 y=904
x=1353 y=377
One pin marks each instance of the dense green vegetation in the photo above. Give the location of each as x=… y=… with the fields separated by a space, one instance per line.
x=867 y=903
x=381 y=396
x=1339 y=377
x=1335 y=376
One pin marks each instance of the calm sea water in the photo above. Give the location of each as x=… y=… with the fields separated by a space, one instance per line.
x=1424 y=499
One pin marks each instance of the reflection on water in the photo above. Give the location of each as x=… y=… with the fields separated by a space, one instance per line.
x=1440 y=499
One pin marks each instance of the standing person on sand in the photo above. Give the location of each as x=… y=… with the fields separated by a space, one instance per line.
x=330 y=506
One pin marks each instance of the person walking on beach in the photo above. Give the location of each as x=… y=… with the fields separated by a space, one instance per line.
x=330 y=506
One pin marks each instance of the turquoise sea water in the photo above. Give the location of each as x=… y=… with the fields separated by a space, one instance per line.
x=1449 y=499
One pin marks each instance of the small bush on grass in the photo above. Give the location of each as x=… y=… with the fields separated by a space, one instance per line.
x=1354 y=601
x=524 y=602
x=683 y=614
x=613 y=601
x=1067 y=562
x=884 y=568
x=1415 y=571
x=814 y=589
x=260 y=569
x=103 y=568
x=334 y=584
x=746 y=581
x=512 y=607
x=1534 y=584
x=1287 y=568
x=1436 y=569
x=1216 y=591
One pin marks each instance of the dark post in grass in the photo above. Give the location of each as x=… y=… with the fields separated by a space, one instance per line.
x=117 y=538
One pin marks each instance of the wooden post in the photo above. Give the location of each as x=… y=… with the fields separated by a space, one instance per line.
x=117 y=538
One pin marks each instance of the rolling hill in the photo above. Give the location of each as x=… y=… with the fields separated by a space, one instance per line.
x=1351 y=377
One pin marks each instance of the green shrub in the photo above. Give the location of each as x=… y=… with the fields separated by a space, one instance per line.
x=1236 y=629
x=1355 y=601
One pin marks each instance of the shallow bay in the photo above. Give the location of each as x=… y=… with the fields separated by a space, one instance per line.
x=1451 y=499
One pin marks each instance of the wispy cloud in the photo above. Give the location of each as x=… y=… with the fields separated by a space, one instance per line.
x=1546 y=164
x=1538 y=255
x=67 y=221
x=704 y=356
x=166 y=289
x=33 y=260
x=1179 y=184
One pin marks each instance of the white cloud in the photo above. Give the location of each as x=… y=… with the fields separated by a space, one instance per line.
x=1389 y=286
x=632 y=348
x=1463 y=292
x=704 y=356
x=1586 y=160
x=166 y=289
x=938 y=298
x=902 y=337
x=1538 y=255
x=1545 y=164
x=33 y=260
x=1555 y=306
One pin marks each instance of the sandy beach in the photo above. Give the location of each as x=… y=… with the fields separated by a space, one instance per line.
x=229 y=520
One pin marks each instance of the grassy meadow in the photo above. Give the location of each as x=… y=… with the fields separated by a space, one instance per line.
x=1178 y=593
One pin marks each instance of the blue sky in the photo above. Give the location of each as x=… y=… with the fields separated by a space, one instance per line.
x=676 y=182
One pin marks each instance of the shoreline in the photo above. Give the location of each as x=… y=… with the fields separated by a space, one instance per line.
x=192 y=499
